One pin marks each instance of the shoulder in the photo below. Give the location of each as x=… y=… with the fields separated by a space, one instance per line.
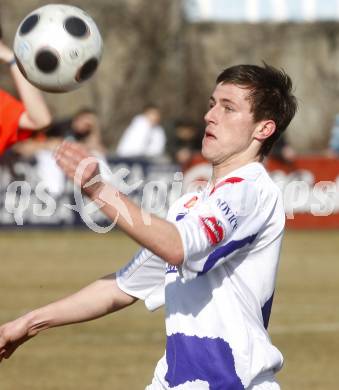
x=249 y=186
x=138 y=125
x=257 y=178
x=139 y=120
x=266 y=186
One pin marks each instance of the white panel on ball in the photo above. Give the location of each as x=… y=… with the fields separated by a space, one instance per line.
x=58 y=47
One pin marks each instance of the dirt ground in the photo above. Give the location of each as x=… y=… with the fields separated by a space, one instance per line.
x=120 y=351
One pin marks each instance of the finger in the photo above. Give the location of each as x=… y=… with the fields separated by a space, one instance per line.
x=65 y=149
x=9 y=351
x=77 y=149
x=70 y=154
x=3 y=353
x=3 y=342
x=65 y=163
x=66 y=159
x=58 y=150
x=62 y=147
x=11 y=347
x=68 y=167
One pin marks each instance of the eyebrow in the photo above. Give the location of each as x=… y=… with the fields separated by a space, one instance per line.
x=223 y=100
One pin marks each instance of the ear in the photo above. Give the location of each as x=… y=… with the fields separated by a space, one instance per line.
x=264 y=130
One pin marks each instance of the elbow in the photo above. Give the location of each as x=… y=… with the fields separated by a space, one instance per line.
x=174 y=250
x=44 y=122
x=175 y=257
x=41 y=122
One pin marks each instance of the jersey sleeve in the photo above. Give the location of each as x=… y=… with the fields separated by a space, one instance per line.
x=144 y=278
x=11 y=110
x=227 y=222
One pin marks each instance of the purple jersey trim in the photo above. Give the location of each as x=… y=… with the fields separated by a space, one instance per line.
x=226 y=250
x=266 y=311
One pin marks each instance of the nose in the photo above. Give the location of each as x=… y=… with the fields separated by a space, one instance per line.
x=210 y=116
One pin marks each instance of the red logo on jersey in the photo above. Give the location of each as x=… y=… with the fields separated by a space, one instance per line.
x=191 y=202
x=213 y=229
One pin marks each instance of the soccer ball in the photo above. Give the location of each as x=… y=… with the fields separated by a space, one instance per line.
x=57 y=47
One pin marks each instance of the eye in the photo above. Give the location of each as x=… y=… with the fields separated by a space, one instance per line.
x=228 y=108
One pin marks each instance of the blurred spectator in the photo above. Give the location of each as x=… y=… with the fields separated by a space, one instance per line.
x=283 y=151
x=82 y=127
x=333 y=146
x=185 y=144
x=19 y=118
x=144 y=137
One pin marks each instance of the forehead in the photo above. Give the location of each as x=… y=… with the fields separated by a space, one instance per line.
x=233 y=92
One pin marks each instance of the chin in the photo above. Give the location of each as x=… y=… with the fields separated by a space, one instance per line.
x=206 y=155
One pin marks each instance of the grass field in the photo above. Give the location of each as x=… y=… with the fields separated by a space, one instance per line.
x=120 y=351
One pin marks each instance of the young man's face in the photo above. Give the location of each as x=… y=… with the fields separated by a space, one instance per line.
x=229 y=124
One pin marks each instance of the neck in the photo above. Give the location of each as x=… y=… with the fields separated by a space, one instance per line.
x=225 y=167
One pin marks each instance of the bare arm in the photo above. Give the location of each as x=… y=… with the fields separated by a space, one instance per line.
x=37 y=115
x=96 y=300
x=156 y=234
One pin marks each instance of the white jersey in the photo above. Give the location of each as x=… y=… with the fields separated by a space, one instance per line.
x=219 y=301
x=141 y=139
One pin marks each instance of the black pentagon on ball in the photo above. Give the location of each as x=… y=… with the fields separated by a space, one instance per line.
x=87 y=70
x=28 y=24
x=46 y=61
x=76 y=27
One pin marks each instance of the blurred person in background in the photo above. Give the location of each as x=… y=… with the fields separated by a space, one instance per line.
x=144 y=137
x=333 y=145
x=83 y=127
x=283 y=151
x=184 y=145
x=19 y=118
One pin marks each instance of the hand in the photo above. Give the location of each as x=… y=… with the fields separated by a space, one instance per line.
x=79 y=166
x=6 y=54
x=12 y=335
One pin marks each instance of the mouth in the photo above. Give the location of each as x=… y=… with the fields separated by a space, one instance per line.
x=209 y=135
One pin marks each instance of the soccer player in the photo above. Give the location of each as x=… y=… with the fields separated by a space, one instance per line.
x=213 y=262
x=19 y=118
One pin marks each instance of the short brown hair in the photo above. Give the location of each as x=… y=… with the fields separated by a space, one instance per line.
x=270 y=96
